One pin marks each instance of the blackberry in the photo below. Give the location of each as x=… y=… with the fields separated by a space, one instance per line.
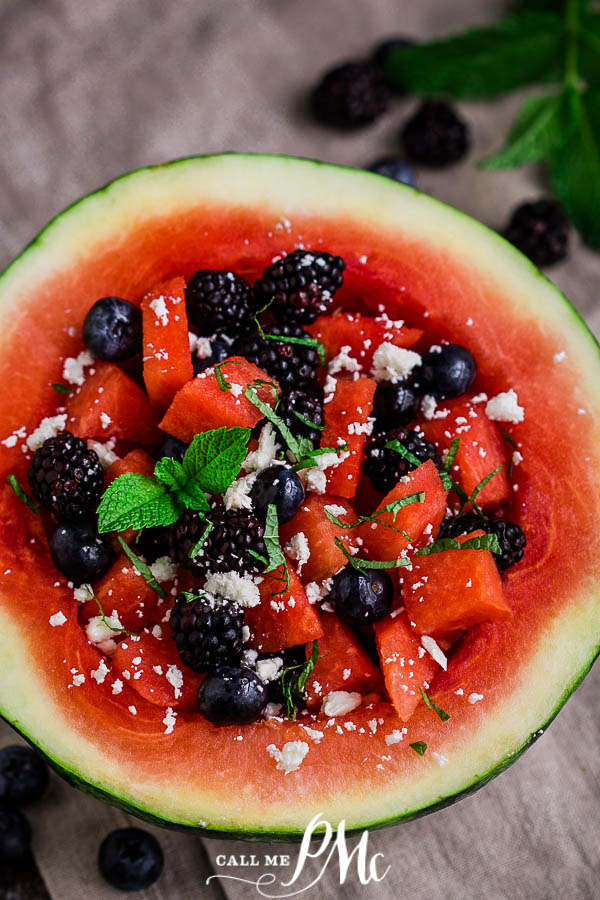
x=540 y=230
x=350 y=95
x=218 y=301
x=130 y=859
x=307 y=405
x=384 y=468
x=232 y=535
x=66 y=477
x=205 y=636
x=510 y=536
x=435 y=135
x=293 y=365
x=301 y=284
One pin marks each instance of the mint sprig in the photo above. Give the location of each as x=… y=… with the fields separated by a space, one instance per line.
x=553 y=42
x=293 y=682
x=477 y=490
x=483 y=542
x=394 y=508
x=361 y=564
x=21 y=494
x=211 y=463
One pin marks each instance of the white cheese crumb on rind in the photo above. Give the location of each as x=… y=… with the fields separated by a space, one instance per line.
x=338 y=703
x=440 y=759
x=57 y=619
x=290 y=757
x=394 y=738
x=504 y=407
x=100 y=673
x=392 y=363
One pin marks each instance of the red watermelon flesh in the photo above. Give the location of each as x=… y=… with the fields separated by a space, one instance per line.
x=481 y=449
x=201 y=404
x=110 y=404
x=167 y=357
x=347 y=421
x=361 y=334
x=342 y=665
x=420 y=521
x=151 y=666
x=123 y=590
x=284 y=617
x=136 y=461
x=405 y=663
x=325 y=558
x=448 y=592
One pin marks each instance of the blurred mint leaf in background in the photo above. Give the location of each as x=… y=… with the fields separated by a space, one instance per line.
x=550 y=42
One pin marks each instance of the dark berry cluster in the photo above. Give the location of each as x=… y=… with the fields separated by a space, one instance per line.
x=218 y=301
x=384 y=468
x=510 y=536
x=66 y=477
x=232 y=535
x=206 y=635
x=293 y=365
x=300 y=286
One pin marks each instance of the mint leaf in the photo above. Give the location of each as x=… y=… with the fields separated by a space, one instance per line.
x=271 y=539
x=214 y=458
x=306 y=421
x=394 y=507
x=143 y=569
x=398 y=447
x=575 y=165
x=362 y=564
x=483 y=542
x=222 y=382
x=297 y=446
x=537 y=130
x=136 y=501
x=525 y=48
x=479 y=487
x=20 y=493
x=419 y=747
x=293 y=685
x=193 y=497
x=451 y=455
x=170 y=472
x=63 y=388
x=444 y=716
x=103 y=617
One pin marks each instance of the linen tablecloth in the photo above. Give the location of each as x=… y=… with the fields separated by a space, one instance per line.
x=91 y=90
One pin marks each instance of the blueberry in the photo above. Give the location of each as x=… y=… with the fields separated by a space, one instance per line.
x=395 y=404
x=112 y=329
x=79 y=552
x=130 y=859
x=361 y=597
x=231 y=696
x=23 y=775
x=447 y=372
x=15 y=836
x=220 y=349
x=280 y=486
x=395 y=168
x=172 y=447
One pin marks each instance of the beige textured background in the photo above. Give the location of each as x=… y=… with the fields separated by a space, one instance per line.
x=89 y=90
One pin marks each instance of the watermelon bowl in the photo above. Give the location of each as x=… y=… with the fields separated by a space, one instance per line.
x=416 y=260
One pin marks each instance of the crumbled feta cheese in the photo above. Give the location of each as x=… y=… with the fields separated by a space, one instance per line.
x=100 y=673
x=240 y=589
x=394 y=738
x=48 y=428
x=440 y=760
x=391 y=363
x=517 y=458
x=132 y=710
x=105 y=452
x=337 y=703
x=560 y=356
x=315 y=591
x=117 y=686
x=74 y=367
x=160 y=310
x=272 y=710
x=346 y=674
x=57 y=619
x=97 y=631
x=504 y=407
x=169 y=720
x=237 y=495
x=105 y=419
x=298 y=548
x=269 y=669
x=428 y=406
x=266 y=453
x=474 y=698
x=249 y=658
x=290 y=757
x=316 y=481
x=174 y=676
x=343 y=361
x=434 y=651
x=164 y=569
x=199 y=345
x=315 y=735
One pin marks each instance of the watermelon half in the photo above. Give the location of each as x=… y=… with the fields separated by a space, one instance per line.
x=422 y=262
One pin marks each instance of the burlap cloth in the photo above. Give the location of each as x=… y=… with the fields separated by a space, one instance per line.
x=89 y=90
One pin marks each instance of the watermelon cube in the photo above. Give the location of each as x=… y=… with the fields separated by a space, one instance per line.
x=152 y=667
x=405 y=664
x=136 y=461
x=481 y=449
x=123 y=590
x=343 y=664
x=283 y=619
x=446 y=593
x=201 y=404
x=167 y=357
x=347 y=413
x=420 y=521
x=362 y=335
x=325 y=558
x=110 y=404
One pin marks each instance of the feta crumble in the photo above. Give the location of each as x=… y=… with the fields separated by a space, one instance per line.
x=337 y=703
x=290 y=757
x=74 y=367
x=434 y=651
x=237 y=495
x=164 y=569
x=48 y=428
x=169 y=720
x=391 y=363
x=504 y=407
x=240 y=589
x=57 y=619
x=298 y=549
x=266 y=453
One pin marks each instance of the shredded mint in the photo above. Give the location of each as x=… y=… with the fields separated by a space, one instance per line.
x=451 y=455
x=399 y=447
x=222 y=382
x=442 y=714
x=362 y=564
x=20 y=493
x=103 y=616
x=195 y=550
x=510 y=440
x=308 y=460
x=60 y=388
x=394 y=507
x=299 y=447
x=545 y=42
x=419 y=747
x=283 y=339
x=142 y=568
x=483 y=542
x=478 y=488
x=293 y=682
x=307 y=422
